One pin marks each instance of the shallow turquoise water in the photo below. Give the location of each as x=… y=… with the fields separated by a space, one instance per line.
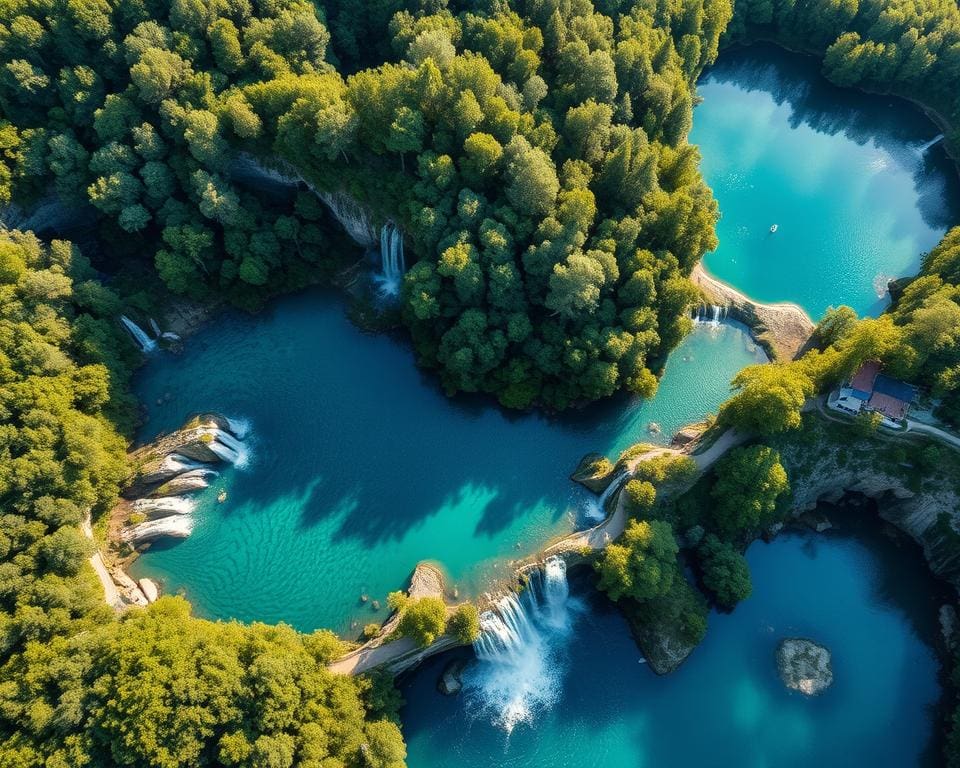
x=841 y=173
x=362 y=467
x=871 y=601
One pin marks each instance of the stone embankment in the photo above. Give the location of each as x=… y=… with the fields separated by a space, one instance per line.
x=783 y=329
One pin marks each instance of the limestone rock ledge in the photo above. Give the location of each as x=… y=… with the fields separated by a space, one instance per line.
x=929 y=517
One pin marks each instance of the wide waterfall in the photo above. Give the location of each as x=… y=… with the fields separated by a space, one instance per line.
x=391 y=258
x=597 y=508
x=142 y=338
x=521 y=650
x=712 y=315
x=177 y=526
x=165 y=506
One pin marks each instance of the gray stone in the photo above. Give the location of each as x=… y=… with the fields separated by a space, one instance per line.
x=150 y=589
x=451 y=681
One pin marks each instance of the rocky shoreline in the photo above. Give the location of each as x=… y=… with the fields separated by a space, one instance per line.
x=156 y=501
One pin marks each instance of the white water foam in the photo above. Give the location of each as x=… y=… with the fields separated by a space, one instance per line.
x=522 y=651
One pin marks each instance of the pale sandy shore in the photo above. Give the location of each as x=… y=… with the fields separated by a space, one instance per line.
x=782 y=329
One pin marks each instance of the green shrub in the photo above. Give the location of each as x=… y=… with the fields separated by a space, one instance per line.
x=640 y=496
x=465 y=624
x=725 y=571
x=423 y=620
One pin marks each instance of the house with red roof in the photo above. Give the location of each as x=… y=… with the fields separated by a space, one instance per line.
x=869 y=390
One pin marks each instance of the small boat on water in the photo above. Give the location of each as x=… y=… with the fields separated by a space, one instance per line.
x=773 y=228
x=222 y=496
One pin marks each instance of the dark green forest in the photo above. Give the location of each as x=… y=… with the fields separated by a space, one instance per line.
x=535 y=155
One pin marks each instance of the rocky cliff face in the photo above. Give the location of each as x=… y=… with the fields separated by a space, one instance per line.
x=929 y=516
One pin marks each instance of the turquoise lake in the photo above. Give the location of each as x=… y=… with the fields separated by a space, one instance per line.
x=870 y=600
x=361 y=466
x=842 y=174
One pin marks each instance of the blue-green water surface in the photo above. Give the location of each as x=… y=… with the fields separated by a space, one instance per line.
x=870 y=600
x=844 y=176
x=361 y=466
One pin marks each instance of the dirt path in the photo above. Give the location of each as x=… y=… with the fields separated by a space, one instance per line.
x=929 y=429
x=110 y=592
x=782 y=328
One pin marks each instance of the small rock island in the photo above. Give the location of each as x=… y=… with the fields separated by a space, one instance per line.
x=804 y=665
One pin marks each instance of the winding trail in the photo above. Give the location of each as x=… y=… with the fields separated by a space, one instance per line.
x=929 y=429
x=403 y=653
x=111 y=594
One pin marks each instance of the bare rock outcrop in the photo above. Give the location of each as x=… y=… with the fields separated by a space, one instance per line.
x=804 y=665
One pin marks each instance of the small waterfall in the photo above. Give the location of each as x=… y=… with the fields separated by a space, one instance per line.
x=228 y=448
x=139 y=335
x=597 y=508
x=177 y=526
x=165 y=506
x=935 y=140
x=521 y=650
x=392 y=261
x=177 y=463
x=712 y=315
x=155 y=328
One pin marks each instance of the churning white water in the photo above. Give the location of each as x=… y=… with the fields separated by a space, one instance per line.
x=229 y=448
x=164 y=506
x=522 y=650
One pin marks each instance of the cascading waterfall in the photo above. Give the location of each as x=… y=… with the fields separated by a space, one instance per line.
x=712 y=315
x=165 y=506
x=238 y=426
x=177 y=526
x=155 y=328
x=521 y=650
x=392 y=261
x=935 y=140
x=229 y=448
x=177 y=463
x=597 y=508
x=139 y=335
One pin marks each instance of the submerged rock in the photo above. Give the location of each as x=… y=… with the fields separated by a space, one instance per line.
x=451 y=679
x=804 y=665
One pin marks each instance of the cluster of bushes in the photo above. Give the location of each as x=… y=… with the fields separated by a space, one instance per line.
x=158 y=687
x=425 y=619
